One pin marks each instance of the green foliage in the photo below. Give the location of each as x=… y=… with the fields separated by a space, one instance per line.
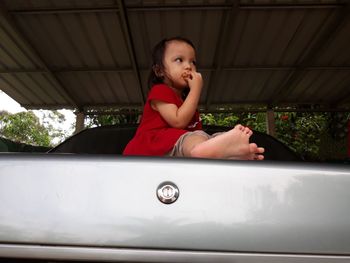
x=115 y=118
x=338 y=125
x=24 y=127
x=255 y=121
x=51 y=120
x=301 y=131
x=219 y=119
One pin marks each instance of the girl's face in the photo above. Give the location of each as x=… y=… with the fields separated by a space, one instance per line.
x=179 y=61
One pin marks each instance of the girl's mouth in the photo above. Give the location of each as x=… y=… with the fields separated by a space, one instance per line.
x=187 y=75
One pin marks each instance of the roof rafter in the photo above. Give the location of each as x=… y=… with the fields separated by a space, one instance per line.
x=130 y=44
x=32 y=53
x=341 y=98
x=345 y=98
x=311 y=54
x=226 y=24
x=165 y=7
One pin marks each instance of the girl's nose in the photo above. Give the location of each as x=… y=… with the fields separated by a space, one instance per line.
x=188 y=66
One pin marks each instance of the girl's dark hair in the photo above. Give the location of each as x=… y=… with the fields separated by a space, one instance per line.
x=157 y=59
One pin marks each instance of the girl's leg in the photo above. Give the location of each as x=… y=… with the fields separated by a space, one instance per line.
x=190 y=143
x=233 y=144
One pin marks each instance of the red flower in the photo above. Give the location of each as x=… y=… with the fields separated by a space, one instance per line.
x=284 y=117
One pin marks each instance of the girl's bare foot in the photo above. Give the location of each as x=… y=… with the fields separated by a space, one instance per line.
x=233 y=144
x=255 y=152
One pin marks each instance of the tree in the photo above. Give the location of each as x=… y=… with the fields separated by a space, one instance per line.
x=25 y=127
x=52 y=120
x=116 y=117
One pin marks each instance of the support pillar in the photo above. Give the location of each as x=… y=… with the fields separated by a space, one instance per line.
x=270 y=123
x=349 y=139
x=79 y=121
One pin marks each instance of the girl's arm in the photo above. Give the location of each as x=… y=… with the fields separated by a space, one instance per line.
x=180 y=117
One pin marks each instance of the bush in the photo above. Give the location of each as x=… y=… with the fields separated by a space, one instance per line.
x=307 y=133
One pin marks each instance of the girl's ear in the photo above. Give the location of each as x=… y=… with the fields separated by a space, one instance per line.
x=158 y=71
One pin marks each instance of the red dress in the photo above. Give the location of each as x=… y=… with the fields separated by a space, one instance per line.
x=155 y=136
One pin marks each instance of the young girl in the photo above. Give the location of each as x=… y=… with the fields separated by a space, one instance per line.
x=170 y=125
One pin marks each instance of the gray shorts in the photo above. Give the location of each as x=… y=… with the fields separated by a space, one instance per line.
x=177 y=150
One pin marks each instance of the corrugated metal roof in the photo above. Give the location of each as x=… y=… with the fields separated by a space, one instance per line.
x=88 y=54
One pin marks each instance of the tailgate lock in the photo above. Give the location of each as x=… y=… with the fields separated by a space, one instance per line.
x=167 y=192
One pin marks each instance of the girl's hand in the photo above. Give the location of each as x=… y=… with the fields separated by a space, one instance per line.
x=180 y=117
x=194 y=80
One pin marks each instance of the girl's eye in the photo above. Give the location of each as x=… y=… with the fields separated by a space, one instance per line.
x=178 y=60
x=194 y=62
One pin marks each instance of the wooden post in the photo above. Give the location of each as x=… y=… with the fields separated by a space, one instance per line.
x=79 y=122
x=270 y=123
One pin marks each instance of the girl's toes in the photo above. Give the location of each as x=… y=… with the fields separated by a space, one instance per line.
x=239 y=127
x=253 y=147
x=261 y=150
x=260 y=157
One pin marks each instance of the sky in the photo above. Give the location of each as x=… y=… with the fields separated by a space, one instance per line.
x=10 y=105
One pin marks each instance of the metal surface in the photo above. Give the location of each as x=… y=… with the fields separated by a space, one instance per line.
x=90 y=54
x=225 y=206
x=153 y=255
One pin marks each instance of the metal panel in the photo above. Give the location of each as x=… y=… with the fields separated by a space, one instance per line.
x=77 y=40
x=96 y=201
x=337 y=52
x=248 y=51
x=156 y=256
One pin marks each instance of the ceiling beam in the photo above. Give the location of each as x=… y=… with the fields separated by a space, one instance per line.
x=228 y=6
x=343 y=97
x=226 y=108
x=207 y=69
x=182 y=7
x=27 y=49
x=226 y=24
x=130 y=43
x=309 y=56
x=216 y=108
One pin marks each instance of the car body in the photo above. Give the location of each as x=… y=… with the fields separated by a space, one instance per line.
x=105 y=208
x=86 y=202
x=112 y=139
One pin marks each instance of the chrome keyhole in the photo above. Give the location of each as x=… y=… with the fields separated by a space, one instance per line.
x=167 y=192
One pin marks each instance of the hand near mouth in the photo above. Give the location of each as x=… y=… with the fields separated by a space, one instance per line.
x=193 y=79
x=187 y=75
